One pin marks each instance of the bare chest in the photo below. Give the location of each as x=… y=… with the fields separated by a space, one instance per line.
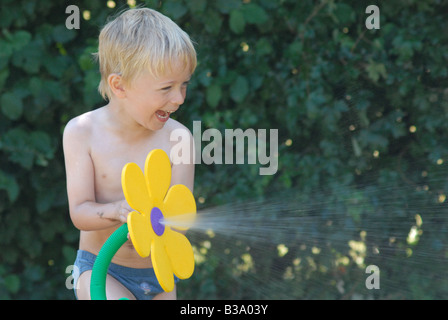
x=109 y=157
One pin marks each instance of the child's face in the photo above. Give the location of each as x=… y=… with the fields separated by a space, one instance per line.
x=150 y=100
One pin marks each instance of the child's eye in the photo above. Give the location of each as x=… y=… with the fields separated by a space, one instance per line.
x=166 y=88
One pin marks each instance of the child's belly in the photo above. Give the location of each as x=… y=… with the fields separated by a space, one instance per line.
x=93 y=241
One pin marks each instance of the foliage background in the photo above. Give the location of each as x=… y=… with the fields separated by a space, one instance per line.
x=362 y=140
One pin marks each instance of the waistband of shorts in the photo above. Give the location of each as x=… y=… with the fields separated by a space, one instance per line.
x=126 y=271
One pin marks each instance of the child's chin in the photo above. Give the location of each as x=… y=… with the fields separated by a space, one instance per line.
x=156 y=125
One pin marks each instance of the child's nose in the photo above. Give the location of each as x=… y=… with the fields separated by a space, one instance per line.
x=178 y=97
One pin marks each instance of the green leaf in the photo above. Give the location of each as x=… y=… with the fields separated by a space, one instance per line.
x=237 y=22
x=5 y=53
x=226 y=6
x=20 y=39
x=9 y=183
x=314 y=103
x=86 y=62
x=375 y=70
x=263 y=47
x=44 y=200
x=343 y=14
x=91 y=81
x=30 y=57
x=4 y=74
x=62 y=35
x=254 y=14
x=213 y=22
x=57 y=90
x=12 y=283
x=239 y=89
x=12 y=105
x=35 y=86
x=57 y=65
x=294 y=52
x=213 y=95
x=41 y=142
x=174 y=10
x=69 y=253
x=16 y=143
x=197 y=6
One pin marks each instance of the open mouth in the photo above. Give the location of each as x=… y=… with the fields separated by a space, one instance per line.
x=163 y=115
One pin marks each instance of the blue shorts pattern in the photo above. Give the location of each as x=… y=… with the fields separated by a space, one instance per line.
x=142 y=283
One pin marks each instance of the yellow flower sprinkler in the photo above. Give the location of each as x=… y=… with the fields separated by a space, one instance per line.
x=150 y=195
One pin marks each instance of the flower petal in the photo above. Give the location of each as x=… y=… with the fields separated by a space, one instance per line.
x=158 y=175
x=180 y=252
x=162 y=265
x=179 y=207
x=140 y=232
x=135 y=189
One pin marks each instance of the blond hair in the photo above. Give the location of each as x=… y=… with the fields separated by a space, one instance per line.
x=138 y=40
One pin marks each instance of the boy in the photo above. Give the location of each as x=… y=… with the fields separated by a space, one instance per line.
x=145 y=61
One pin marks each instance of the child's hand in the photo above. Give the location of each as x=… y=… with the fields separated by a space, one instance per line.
x=123 y=210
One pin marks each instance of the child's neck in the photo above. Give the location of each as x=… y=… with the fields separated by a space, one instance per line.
x=123 y=124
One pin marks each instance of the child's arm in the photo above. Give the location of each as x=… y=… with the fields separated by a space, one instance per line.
x=183 y=173
x=85 y=212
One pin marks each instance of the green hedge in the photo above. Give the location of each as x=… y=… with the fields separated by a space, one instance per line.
x=361 y=116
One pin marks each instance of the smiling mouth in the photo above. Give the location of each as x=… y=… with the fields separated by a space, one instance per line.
x=163 y=115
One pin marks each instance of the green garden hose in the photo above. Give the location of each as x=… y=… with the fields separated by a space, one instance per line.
x=103 y=260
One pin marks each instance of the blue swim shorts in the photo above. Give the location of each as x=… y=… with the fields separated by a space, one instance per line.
x=142 y=283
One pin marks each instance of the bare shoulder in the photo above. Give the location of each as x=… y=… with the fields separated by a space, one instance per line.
x=80 y=128
x=175 y=132
x=175 y=127
x=80 y=125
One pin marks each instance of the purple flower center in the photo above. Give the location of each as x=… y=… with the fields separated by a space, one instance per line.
x=156 y=217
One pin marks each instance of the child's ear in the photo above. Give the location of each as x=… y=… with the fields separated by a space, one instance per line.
x=115 y=82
